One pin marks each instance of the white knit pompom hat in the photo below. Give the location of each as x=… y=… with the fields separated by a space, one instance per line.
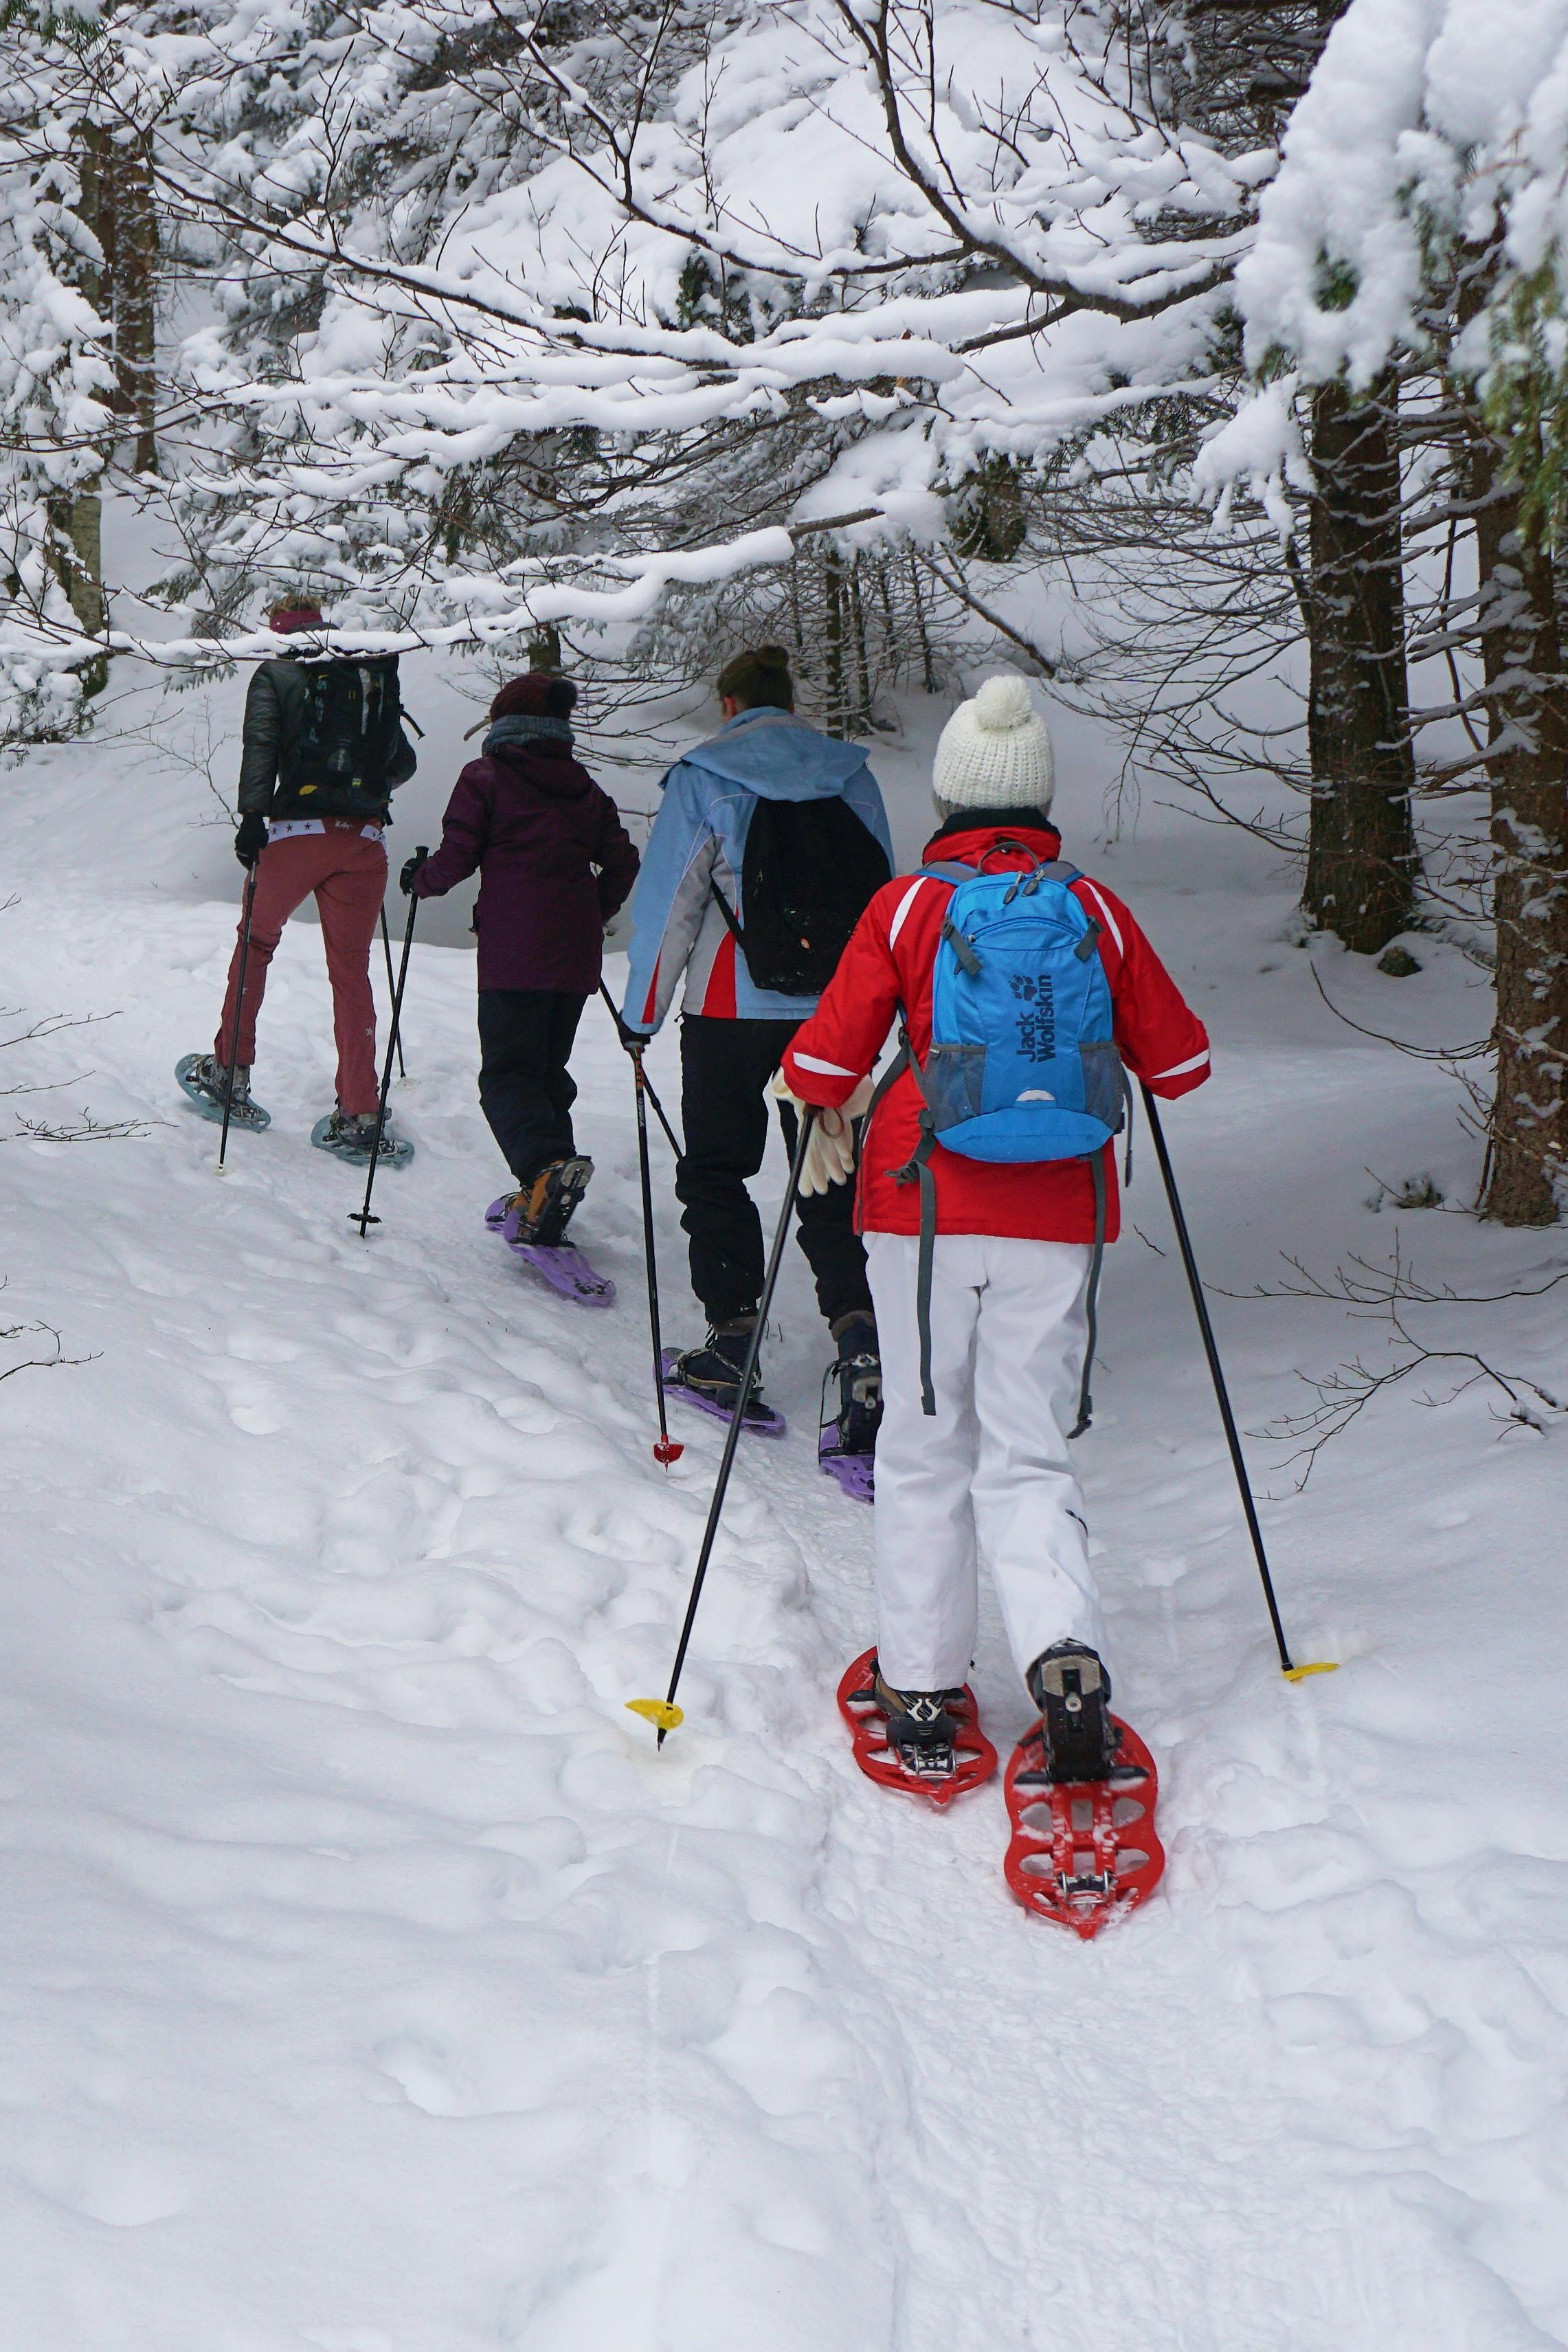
x=996 y=751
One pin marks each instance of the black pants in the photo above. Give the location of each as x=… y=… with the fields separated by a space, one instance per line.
x=725 y=1066
x=525 y=1088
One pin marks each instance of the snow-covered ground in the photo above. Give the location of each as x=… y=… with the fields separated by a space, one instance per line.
x=371 y=1985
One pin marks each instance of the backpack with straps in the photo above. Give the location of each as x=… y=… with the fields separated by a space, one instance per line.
x=808 y=872
x=1023 y=1064
x=349 y=734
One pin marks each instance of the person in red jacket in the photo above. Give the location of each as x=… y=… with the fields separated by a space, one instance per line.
x=990 y=1471
x=554 y=864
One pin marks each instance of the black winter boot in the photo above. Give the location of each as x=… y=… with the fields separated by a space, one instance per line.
x=714 y=1370
x=859 y=1372
x=1069 y=1685
x=920 y=1731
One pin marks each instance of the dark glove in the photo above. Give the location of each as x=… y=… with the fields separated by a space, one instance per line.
x=634 y=1040
x=250 y=839
x=410 y=868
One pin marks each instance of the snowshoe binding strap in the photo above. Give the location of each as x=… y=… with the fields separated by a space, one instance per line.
x=920 y=1731
x=1069 y=1685
x=943 y=1752
x=713 y=1371
x=858 y=1415
x=1083 y=1852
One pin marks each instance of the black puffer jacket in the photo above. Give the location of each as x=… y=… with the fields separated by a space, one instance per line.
x=275 y=718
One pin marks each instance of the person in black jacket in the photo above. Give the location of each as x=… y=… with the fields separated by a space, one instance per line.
x=322 y=751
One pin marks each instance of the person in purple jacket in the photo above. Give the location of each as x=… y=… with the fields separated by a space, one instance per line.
x=554 y=864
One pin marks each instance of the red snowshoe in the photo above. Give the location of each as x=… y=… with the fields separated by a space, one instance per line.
x=1083 y=1852
x=973 y=1759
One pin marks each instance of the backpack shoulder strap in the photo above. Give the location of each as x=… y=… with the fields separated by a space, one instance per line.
x=917 y=1168
x=730 y=918
x=950 y=870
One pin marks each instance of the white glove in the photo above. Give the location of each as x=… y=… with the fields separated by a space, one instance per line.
x=830 y=1153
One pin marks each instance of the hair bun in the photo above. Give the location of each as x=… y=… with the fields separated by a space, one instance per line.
x=1002 y=704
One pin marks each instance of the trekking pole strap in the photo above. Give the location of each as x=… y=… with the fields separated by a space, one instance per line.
x=674 y=1140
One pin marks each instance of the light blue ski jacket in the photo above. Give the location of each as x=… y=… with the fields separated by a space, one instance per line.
x=699 y=838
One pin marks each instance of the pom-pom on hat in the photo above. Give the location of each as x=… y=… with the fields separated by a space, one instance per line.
x=536 y=695
x=995 y=752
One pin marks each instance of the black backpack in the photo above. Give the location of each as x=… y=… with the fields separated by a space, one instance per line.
x=809 y=872
x=350 y=732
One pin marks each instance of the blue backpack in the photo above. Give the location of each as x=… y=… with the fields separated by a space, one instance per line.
x=1023 y=1064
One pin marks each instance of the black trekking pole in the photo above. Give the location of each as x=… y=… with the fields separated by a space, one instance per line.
x=647 y=1085
x=1195 y=1282
x=387 y=952
x=238 y=1009
x=666 y=1450
x=362 y=1216
x=663 y=1712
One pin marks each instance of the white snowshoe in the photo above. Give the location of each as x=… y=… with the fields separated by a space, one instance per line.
x=204 y=1081
x=350 y=1136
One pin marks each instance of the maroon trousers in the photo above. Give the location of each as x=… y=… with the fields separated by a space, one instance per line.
x=348 y=874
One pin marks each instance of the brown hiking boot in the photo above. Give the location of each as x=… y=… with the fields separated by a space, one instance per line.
x=539 y=1213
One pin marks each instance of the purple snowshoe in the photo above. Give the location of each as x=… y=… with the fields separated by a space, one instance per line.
x=856 y=1472
x=564 y=1267
x=847 y=1440
x=759 y=1418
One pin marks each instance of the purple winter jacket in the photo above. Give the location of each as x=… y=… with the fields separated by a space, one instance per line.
x=534 y=821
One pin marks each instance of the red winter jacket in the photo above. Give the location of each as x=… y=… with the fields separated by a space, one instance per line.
x=887 y=964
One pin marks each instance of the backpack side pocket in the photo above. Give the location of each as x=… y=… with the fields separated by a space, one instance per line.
x=953 y=1083
x=1104 y=1083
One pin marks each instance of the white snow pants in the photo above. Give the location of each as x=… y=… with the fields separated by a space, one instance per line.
x=990 y=1473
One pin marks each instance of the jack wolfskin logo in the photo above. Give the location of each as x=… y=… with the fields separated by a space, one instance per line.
x=1036 y=1025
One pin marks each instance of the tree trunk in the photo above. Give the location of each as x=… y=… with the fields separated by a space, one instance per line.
x=860 y=712
x=928 y=666
x=1361 y=862
x=76 y=517
x=837 y=701
x=130 y=238
x=1527 y=710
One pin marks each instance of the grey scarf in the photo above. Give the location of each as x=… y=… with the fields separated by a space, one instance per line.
x=524 y=727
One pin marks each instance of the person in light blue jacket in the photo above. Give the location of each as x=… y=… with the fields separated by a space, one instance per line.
x=733 y=1033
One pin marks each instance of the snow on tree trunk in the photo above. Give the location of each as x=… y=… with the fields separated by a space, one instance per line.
x=1361 y=862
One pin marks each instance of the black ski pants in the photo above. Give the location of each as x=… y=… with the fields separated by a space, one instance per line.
x=725 y=1067
x=526 y=1091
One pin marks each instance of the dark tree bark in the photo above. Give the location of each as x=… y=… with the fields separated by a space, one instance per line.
x=833 y=643
x=118 y=204
x=131 y=259
x=1361 y=861
x=76 y=517
x=1527 y=710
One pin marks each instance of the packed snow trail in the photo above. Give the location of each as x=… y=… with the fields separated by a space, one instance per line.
x=373 y=1985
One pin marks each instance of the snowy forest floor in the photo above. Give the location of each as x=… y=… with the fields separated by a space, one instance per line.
x=369 y=1983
